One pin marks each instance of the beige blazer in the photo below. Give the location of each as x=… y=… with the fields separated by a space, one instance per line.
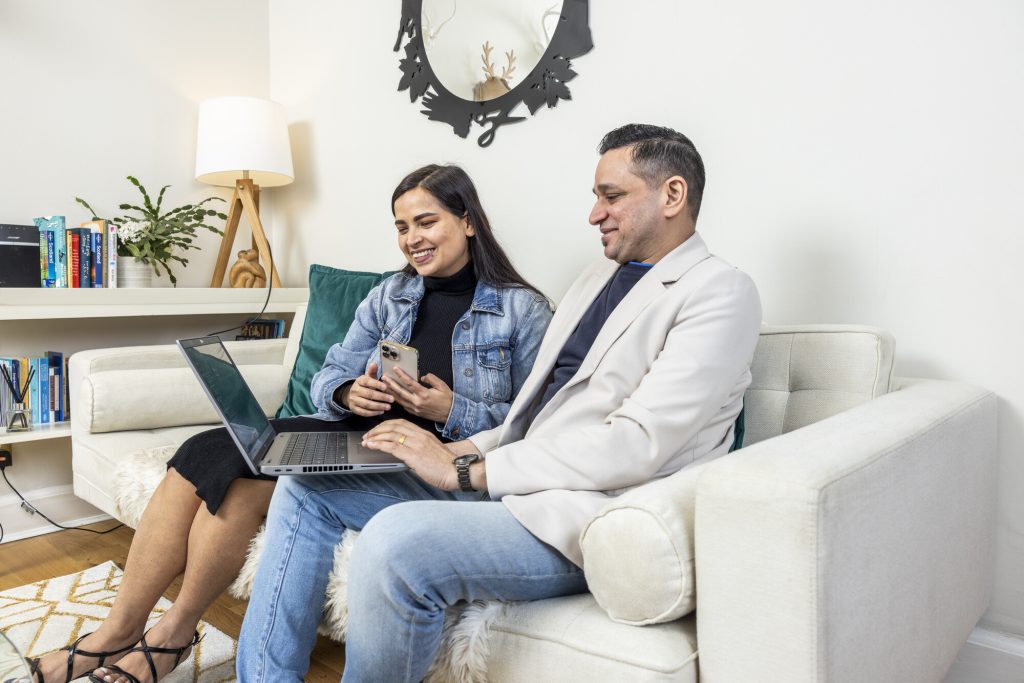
x=660 y=389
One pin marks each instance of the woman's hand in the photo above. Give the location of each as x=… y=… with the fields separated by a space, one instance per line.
x=420 y=450
x=433 y=403
x=367 y=396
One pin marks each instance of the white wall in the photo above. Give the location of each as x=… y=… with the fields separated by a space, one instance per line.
x=864 y=165
x=91 y=92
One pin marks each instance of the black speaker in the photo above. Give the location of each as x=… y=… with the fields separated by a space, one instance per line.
x=19 y=256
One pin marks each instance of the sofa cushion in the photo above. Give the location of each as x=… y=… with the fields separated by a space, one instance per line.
x=638 y=552
x=121 y=400
x=805 y=373
x=334 y=295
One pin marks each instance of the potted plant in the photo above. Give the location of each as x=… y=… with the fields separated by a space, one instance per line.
x=148 y=238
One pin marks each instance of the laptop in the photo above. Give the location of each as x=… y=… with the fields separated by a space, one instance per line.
x=265 y=450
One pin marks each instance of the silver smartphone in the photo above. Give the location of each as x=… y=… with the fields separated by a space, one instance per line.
x=394 y=355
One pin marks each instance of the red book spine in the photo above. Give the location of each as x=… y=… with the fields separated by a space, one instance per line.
x=76 y=272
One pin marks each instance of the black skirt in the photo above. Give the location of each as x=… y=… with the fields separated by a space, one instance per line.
x=211 y=461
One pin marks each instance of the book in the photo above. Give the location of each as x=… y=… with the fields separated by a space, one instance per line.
x=96 y=267
x=74 y=268
x=111 y=256
x=54 y=224
x=41 y=378
x=42 y=256
x=97 y=246
x=262 y=329
x=84 y=257
x=55 y=363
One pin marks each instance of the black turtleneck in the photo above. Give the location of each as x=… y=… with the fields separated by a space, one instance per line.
x=445 y=300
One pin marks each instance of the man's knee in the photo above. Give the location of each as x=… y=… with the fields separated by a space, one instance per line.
x=395 y=542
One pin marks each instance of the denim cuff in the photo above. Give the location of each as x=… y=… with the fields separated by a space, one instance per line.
x=462 y=414
x=330 y=406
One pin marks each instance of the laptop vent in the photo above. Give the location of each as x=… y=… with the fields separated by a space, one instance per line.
x=327 y=468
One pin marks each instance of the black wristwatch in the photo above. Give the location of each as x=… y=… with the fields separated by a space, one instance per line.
x=462 y=463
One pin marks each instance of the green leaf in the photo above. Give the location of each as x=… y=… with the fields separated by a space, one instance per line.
x=160 y=199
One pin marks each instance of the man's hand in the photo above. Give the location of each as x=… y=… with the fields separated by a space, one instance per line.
x=434 y=403
x=367 y=395
x=423 y=453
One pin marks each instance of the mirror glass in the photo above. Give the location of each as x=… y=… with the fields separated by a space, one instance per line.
x=481 y=49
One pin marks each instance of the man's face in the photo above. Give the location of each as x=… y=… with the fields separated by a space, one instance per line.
x=627 y=211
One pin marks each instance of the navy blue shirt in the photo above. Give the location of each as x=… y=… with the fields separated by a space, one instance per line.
x=579 y=342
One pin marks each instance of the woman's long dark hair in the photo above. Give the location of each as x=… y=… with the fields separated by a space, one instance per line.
x=451 y=186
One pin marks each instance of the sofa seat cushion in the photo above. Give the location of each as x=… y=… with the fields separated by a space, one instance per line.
x=98 y=458
x=334 y=296
x=572 y=639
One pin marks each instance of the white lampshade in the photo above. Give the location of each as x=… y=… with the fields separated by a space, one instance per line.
x=238 y=134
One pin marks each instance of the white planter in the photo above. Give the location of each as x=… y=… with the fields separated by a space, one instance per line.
x=133 y=273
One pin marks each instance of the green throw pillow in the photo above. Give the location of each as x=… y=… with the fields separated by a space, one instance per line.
x=334 y=296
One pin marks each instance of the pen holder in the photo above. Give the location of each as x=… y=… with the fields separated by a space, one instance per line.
x=21 y=418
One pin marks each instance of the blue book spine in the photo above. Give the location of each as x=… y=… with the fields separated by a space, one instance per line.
x=96 y=269
x=84 y=258
x=43 y=373
x=62 y=254
x=51 y=257
x=35 y=392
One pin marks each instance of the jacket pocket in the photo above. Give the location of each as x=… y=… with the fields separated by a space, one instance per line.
x=494 y=363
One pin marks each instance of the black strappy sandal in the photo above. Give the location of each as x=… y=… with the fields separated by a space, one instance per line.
x=33 y=665
x=73 y=652
x=178 y=652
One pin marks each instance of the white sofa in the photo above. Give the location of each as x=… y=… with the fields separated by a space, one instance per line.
x=851 y=539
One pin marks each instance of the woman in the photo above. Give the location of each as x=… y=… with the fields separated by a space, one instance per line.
x=477 y=325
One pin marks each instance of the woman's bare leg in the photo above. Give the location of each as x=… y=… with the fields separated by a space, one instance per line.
x=156 y=557
x=217 y=546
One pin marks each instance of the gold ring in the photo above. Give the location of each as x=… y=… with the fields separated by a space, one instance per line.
x=401 y=439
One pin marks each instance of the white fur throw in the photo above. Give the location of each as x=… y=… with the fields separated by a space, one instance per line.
x=464 y=649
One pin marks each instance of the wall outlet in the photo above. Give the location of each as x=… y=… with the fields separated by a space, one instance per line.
x=6 y=458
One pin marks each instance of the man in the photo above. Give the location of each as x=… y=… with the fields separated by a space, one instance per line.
x=641 y=373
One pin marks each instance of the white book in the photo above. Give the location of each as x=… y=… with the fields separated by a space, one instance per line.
x=111 y=256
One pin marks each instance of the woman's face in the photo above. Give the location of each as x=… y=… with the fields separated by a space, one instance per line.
x=434 y=241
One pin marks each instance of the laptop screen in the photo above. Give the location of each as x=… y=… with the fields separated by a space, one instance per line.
x=229 y=393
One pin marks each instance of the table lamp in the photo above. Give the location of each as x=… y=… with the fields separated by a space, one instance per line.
x=242 y=142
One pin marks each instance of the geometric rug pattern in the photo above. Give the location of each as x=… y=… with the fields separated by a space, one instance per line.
x=46 y=615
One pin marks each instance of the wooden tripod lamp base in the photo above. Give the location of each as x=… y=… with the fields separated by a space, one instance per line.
x=245 y=199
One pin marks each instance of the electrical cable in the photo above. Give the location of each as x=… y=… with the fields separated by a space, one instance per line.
x=40 y=513
x=270 y=288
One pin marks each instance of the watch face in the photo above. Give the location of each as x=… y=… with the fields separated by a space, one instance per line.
x=467 y=459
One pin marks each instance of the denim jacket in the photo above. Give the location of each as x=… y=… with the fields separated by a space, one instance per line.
x=494 y=345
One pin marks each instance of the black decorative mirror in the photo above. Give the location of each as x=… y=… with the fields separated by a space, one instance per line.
x=475 y=61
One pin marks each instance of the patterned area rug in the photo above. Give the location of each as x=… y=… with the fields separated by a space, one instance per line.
x=46 y=615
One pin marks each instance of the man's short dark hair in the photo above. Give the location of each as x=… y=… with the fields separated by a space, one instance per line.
x=658 y=154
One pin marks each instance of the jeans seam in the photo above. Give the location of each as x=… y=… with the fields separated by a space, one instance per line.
x=282 y=568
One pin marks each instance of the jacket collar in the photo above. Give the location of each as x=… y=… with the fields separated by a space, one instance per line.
x=486 y=298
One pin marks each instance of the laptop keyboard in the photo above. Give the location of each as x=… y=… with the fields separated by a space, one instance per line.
x=316 y=448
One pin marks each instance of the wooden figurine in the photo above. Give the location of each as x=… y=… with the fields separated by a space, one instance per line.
x=247 y=271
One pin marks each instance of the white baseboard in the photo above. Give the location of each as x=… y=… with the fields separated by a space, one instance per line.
x=989 y=657
x=59 y=503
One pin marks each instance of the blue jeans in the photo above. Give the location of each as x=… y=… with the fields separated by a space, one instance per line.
x=420 y=550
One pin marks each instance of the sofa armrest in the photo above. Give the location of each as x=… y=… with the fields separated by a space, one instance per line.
x=147 y=387
x=819 y=552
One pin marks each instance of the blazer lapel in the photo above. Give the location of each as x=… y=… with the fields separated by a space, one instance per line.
x=566 y=318
x=650 y=287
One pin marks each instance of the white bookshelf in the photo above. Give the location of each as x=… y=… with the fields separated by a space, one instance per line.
x=41 y=432
x=70 y=320
x=51 y=304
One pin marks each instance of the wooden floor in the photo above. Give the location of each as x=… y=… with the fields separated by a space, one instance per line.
x=66 y=552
